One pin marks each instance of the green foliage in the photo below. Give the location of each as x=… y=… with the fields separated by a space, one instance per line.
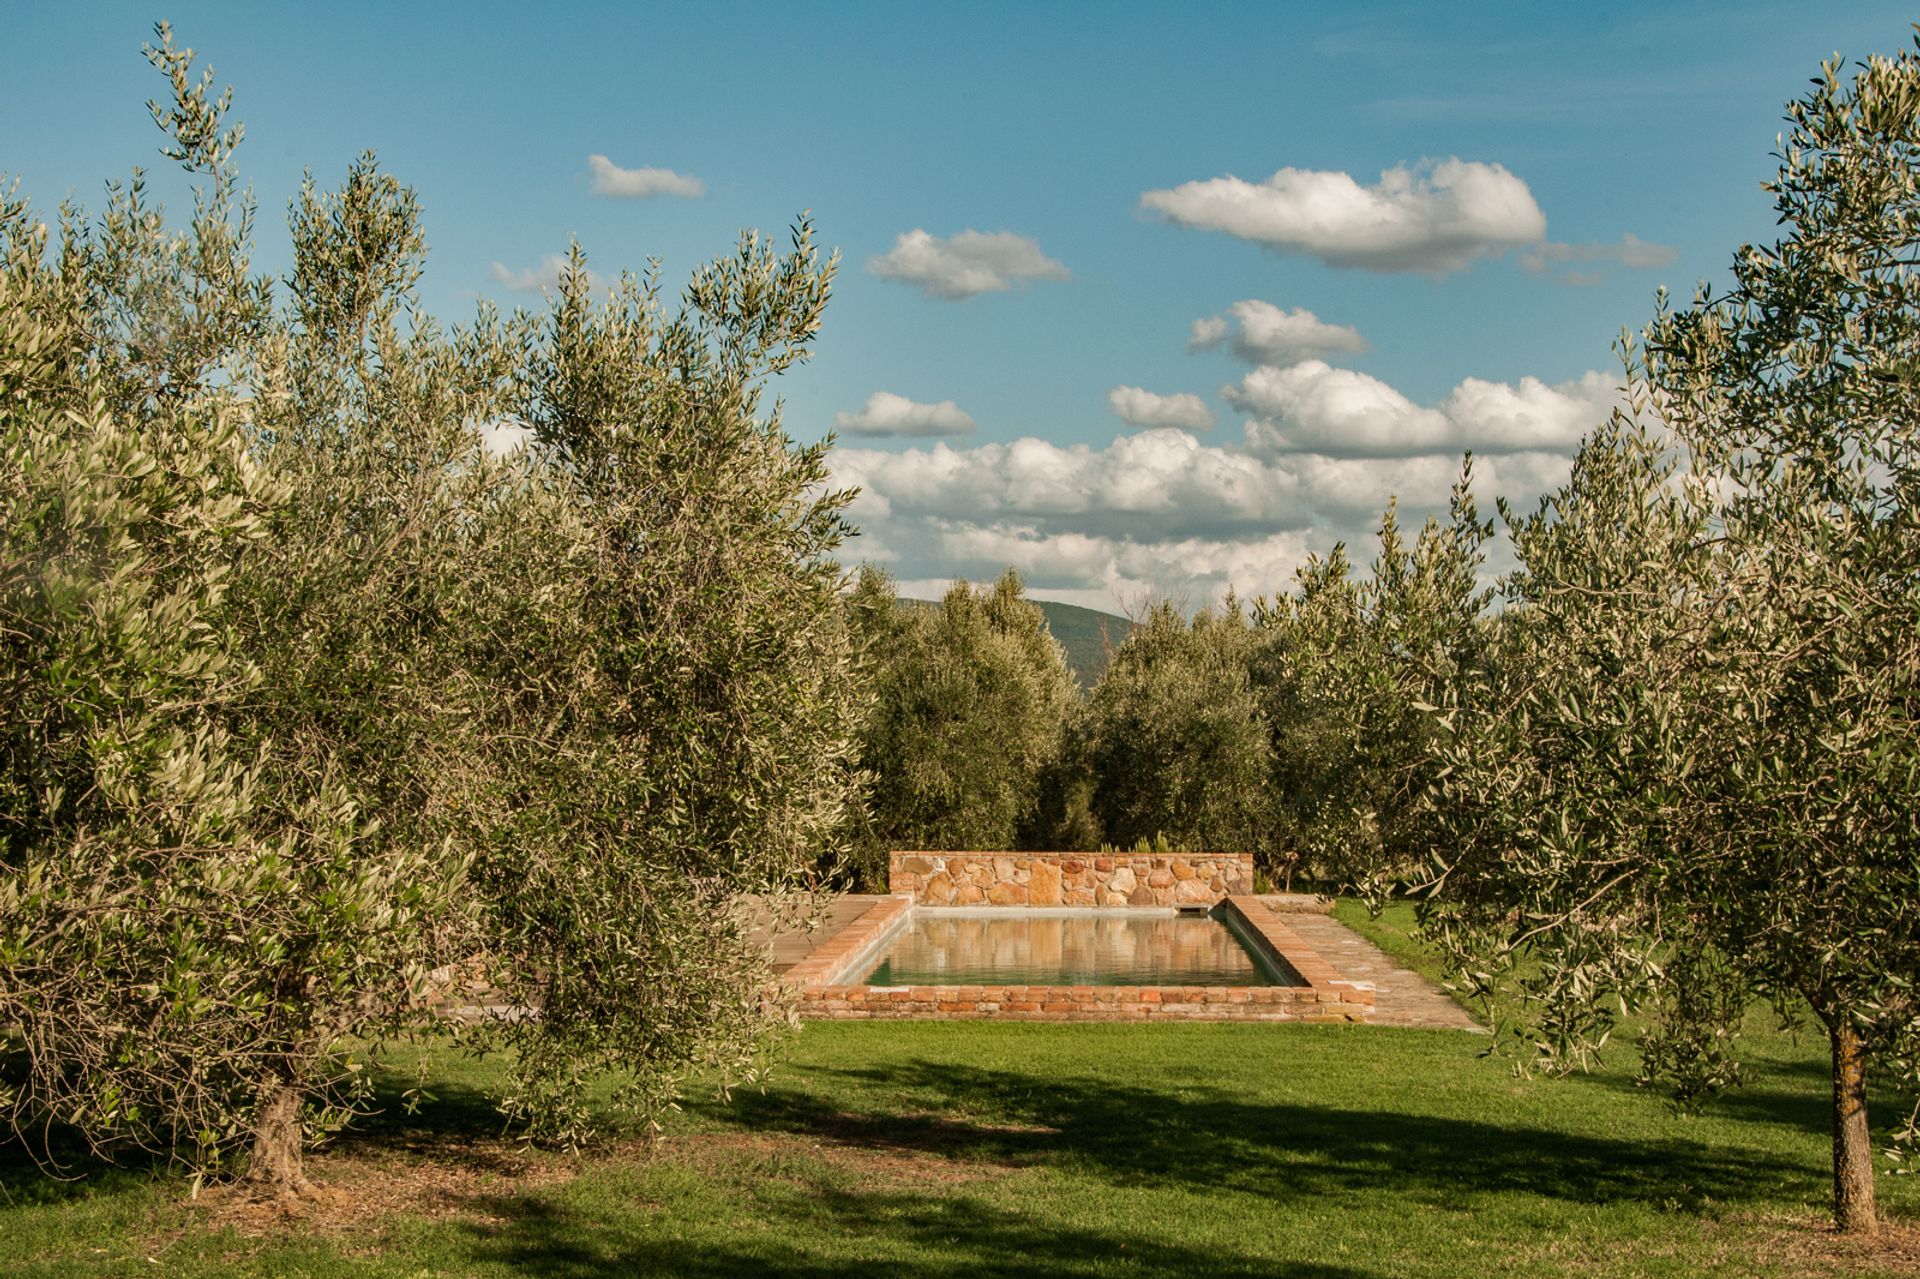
x=679 y=734
x=1344 y=670
x=970 y=703
x=1175 y=742
x=313 y=693
x=195 y=934
x=1699 y=773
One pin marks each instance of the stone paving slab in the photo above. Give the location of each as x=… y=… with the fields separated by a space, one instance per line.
x=1401 y=997
x=790 y=948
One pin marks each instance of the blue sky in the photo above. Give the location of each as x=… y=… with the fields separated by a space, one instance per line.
x=1550 y=166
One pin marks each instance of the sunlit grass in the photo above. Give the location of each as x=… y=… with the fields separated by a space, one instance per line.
x=976 y=1148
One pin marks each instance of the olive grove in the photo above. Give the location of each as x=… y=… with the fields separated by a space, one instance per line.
x=311 y=692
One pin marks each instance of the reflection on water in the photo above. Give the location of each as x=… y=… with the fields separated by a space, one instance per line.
x=1116 y=948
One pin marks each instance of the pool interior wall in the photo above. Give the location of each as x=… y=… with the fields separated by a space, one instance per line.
x=1066 y=946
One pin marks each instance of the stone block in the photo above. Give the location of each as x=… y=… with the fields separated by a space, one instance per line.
x=1006 y=894
x=1123 y=880
x=1044 y=888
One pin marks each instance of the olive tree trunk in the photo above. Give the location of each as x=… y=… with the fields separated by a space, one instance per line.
x=275 y=1170
x=1854 y=1210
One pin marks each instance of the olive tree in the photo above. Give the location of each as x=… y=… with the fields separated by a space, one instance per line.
x=314 y=692
x=196 y=939
x=1343 y=668
x=970 y=702
x=1175 y=738
x=675 y=731
x=1697 y=780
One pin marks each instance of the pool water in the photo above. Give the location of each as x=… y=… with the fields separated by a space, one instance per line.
x=1040 y=947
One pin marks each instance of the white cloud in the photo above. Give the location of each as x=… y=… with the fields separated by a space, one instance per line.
x=1139 y=407
x=1312 y=407
x=968 y=264
x=1264 y=334
x=609 y=179
x=544 y=278
x=1146 y=483
x=1432 y=218
x=1208 y=332
x=1152 y=513
x=888 y=414
x=1632 y=252
x=504 y=436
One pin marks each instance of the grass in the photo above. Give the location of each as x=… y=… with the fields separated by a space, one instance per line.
x=974 y=1148
x=1392 y=930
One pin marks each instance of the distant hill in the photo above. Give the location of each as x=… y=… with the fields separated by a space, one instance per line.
x=1084 y=632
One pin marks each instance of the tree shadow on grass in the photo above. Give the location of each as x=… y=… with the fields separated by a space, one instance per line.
x=57 y=1166
x=878 y=1233
x=1136 y=1135
x=1199 y=1142
x=444 y=1110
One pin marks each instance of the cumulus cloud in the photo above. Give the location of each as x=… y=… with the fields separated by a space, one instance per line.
x=1147 y=484
x=503 y=436
x=1152 y=513
x=1312 y=407
x=1632 y=252
x=888 y=414
x=544 y=278
x=1139 y=407
x=1434 y=218
x=965 y=265
x=1262 y=333
x=609 y=179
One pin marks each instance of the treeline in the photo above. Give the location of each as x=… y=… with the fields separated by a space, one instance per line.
x=308 y=693
x=1297 y=727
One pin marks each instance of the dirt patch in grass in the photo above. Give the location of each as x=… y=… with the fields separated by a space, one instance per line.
x=362 y=1188
x=1811 y=1246
x=418 y=1178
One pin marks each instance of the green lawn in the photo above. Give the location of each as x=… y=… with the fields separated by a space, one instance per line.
x=972 y=1148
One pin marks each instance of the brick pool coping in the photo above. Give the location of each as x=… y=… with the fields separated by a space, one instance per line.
x=822 y=991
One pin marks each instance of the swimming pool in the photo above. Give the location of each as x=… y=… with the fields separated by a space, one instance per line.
x=1069 y=947
x=1237 y=961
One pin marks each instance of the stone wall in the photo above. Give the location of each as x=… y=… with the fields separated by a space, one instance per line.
x=1088 y=1003
x=1069 y=879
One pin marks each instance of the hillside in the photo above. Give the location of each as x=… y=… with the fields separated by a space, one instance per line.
x=1085 y=633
